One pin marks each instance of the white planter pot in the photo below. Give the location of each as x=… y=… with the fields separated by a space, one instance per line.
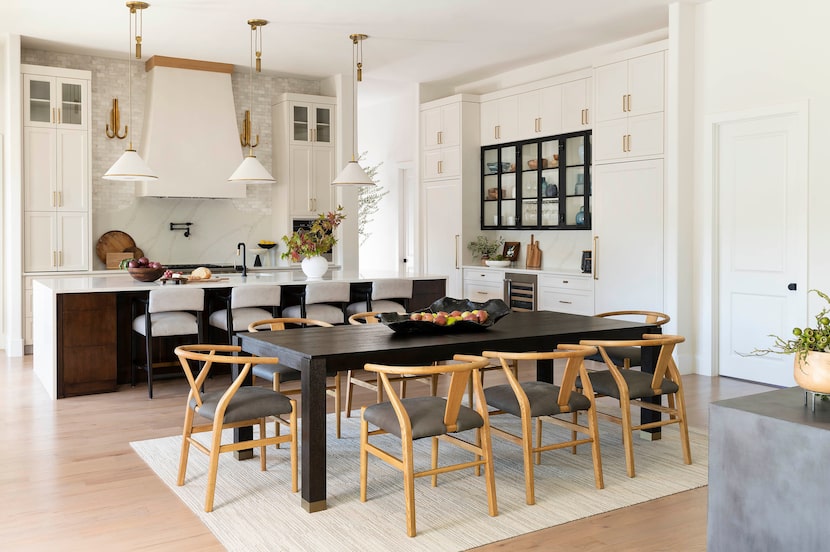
x=315 y=267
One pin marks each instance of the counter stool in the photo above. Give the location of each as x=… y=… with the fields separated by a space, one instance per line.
x=387 y=295
x=324 y=301
x=168 y=312
x=245 y=305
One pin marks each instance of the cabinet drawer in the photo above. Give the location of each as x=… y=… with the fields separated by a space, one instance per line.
x=489 y=276
x=566 y=282
x=481 y=292
x=572 y=303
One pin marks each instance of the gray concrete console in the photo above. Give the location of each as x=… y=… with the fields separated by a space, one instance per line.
x=769 y=473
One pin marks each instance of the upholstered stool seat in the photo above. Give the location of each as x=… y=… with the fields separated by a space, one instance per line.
x=246 y=306
x=387 y=295
x=325 y=301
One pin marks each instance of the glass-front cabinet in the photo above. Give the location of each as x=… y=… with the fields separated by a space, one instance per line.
x=311 y=123
x=55 y=102
x=542 y=183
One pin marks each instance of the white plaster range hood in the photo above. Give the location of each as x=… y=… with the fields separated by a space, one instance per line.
x=190 y=135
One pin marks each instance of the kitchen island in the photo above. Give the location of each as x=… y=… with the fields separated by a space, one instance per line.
x=83 y=324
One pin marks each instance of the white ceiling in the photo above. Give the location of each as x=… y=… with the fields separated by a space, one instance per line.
x=444 y=42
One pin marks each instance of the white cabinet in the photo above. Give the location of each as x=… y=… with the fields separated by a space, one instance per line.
x=628 y=220
x=442 y=163
x=540 y=112
x=54 y=101
x=499 y=120
x=577 y=97
x=441 y=126
x=443 y=232
x=571 y=293
x=629 y=108
x=304 y=151
x=56 y=169
x=482 y=284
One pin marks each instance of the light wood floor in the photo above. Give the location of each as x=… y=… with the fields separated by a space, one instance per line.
x=71 y=481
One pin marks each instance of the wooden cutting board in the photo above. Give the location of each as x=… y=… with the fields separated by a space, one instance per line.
x=534 y=254
x=114 y=241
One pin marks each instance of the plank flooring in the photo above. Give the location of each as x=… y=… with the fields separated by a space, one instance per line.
x=71 y=481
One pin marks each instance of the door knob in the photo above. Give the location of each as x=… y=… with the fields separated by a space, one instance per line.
x=792 y=286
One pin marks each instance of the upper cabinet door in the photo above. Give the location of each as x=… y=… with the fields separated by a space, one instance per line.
x=611 y=91
x=441 y=126
x=323 y=124
x=312 y=123
x=499 y=120
x=646 y=75
x=539 y=113
x=576 y=105
x=54 y=102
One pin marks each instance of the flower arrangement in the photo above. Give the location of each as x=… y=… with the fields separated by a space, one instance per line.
x=482 y=246
x=806 y=339
x=316 y=240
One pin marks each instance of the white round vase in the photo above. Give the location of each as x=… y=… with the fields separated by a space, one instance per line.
x=315 y=267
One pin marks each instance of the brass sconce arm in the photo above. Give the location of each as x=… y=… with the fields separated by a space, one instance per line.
x=115 y=122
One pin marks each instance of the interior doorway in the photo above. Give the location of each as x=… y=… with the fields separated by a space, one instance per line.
x=760 y=192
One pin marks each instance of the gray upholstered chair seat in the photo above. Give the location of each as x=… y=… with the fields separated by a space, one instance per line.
x=168 y=323
x=541 y=395
x=639 y=384
x=267 y=371
x=241 y=318
x=618 y=355
x=426 y=414
x=248 y=403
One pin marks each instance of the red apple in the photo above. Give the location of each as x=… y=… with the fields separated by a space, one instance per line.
x=440 y=319
x=482 y=316
x=416 y=316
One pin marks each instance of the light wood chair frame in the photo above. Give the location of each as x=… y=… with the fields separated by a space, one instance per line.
x=209 y=355
x=574 y=367
x=278 y=324
x=650 y=317
x=358 y=319
x=482 y=448
x=665 y=368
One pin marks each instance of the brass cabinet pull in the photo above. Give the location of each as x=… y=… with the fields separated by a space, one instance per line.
x=623 y=103
x=59 y=203
x=565 y=302
x=596 y=258
x=440 y=137
x=623 y=142
x=54 y=119
x=496 y=132
x=440 y=167
x=59 y=116
x=456 y=250
x=629 y=102
x=60 y=258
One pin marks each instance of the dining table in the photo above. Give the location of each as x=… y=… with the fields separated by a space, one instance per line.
x=318 y=352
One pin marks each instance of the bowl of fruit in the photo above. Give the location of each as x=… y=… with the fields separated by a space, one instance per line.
x=266 y=244
x=448 y=315
x=143 y=269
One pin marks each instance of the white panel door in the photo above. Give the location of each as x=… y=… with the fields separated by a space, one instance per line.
x=760 y=179
x=39 y=170
x=72 y=170
x=40 y=246
x=646 y=77
x=442 y=232
x=576 y=104
x=73 y=241
x=628 y=236
x=301 y=172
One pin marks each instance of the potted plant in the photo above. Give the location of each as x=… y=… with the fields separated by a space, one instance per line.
x=306 y=245
x=485 y=248
x=811 y=349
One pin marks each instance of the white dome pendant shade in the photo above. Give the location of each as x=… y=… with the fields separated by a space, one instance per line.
x=252 y=172
x=353 y=174
x=130 y=167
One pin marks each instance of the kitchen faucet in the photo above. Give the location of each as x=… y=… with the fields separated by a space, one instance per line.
x=244 y=267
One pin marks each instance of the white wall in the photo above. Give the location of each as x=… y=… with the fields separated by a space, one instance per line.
x=388 y=133
x=754 y=54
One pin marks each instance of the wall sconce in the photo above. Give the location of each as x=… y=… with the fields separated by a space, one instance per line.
x=115 y=122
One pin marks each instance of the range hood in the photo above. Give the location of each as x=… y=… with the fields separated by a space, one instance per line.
x=190 y=135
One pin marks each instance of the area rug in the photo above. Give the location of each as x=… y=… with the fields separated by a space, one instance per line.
x=256 y=510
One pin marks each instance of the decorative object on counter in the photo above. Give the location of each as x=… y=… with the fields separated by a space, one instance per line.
x=143 y=269
x=534 y=254
x=311 y=243
x=130 y=166
x=485 y=248
x=511 y=251
x=586 y=261
x=448 y=315
x=498 y=262
x=266 y=244
x=353 y=174
x=114 y=241
x=251 y=170
x=810 y=348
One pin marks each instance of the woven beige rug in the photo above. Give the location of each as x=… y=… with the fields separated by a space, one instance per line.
x=255 y=511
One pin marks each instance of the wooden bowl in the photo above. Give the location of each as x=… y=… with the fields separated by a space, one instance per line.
x=145 y=274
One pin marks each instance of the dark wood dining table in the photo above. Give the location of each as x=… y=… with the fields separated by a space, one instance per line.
x=320 y=352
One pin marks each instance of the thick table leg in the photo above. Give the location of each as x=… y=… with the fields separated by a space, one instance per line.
x=648 y=362
x=313 y=437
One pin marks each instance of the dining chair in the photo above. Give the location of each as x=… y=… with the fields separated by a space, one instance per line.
x=247 y=303
x=278 y=374
x=438 y=418
x=359 y=319
x=324 y=301
x=636 y=388
x=386 y=295
x=236 y=406
x=629 y=356
x=173 y=312
x=545 y=402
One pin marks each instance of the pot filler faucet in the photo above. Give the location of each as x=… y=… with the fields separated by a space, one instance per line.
x=244 y=267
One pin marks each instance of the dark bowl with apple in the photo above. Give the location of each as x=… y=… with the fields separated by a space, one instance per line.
x=471 y=317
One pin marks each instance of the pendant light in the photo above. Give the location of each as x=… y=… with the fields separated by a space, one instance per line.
x=251 y=170
x=353 y=174
x=130 y=167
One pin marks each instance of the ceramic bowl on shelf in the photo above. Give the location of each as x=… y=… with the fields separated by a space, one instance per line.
x=494 y=263
x=267 y=245
x=145 y=274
